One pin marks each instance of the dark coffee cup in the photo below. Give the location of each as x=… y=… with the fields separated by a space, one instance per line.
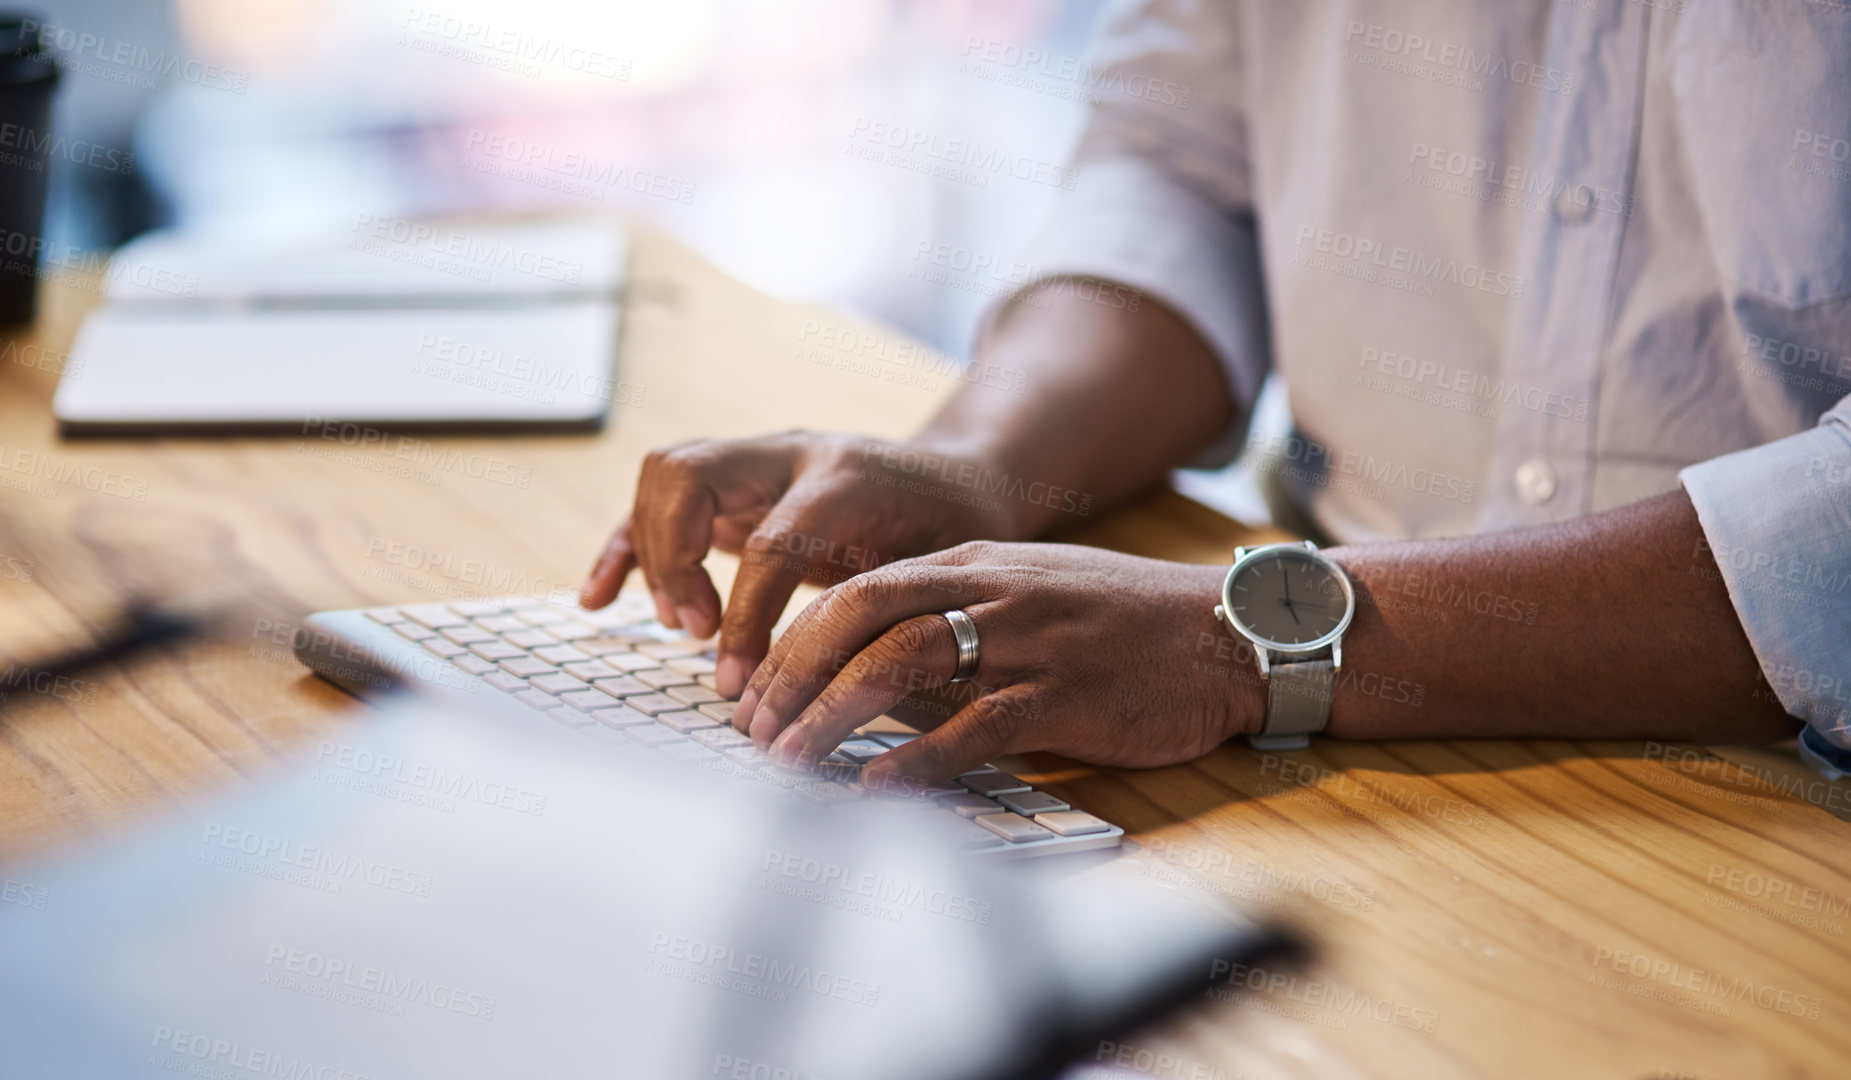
x=28 y=75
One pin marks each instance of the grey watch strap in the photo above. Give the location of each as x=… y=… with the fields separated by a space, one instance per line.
x=1297 y=704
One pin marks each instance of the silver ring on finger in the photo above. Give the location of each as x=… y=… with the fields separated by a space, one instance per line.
x=965 y=631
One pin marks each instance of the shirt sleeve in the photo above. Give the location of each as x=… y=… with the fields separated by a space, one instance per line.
x=1777 y=520
x=1160 y=200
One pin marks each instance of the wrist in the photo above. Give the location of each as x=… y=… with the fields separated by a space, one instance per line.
x=1229 y=673
x=998 y=499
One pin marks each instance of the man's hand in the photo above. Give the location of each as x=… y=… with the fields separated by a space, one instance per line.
x=1102 y=657
x=795 y=506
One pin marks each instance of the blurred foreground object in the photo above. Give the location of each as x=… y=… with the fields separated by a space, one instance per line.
x=460 y=888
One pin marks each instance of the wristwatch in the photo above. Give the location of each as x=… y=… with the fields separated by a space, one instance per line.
x=1294 y=605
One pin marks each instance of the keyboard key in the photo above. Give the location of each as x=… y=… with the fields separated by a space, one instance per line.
x=475 y=608
x=892 y=738
x=663 y=677
x=970 y=805
x=600 y=646
x=709 y=681
x=530 y=639
x=587 y=669
x=1013 y=827
x=1030 y=803
x=570 y=631
x=619 y=717
x=629 y=661
x=623 y=613
x=861 y=750
x=557 y=683
x=467 y=635
x=718 y=710
x=720 y=738
x=653 y=704
x=669 y=650
x=1072 y=823
x=387 y=615
x=686 y=721
x=654 y=735
x=527 y=667
x=501 y=624
x=585 y=700
x=622 y=687
x=435 y=616
x=541 y=615
x=442 y=647
x=693 y=695
x=691 y=665
x=496 y=650
x=992 y=783
x=561 y=654
x=501 y=680
x=413 y=631
x=475 y=665
x=536 y=699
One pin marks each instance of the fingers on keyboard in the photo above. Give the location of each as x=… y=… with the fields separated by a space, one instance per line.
x=609 y=675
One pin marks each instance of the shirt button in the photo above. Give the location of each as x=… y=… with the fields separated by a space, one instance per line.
x=1574 y=204
x=1535 y=482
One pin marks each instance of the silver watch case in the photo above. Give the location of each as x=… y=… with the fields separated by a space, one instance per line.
x=1264 y=646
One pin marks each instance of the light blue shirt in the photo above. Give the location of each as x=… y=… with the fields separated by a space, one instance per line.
x=1516 y=263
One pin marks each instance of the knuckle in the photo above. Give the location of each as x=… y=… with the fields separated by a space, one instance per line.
x=915 y=637
x=684 y=461
x=863 y=591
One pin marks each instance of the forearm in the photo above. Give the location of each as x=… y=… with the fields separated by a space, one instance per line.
x=1612 y=626
x=1087 y=397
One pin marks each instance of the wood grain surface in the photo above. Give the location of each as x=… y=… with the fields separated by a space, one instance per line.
x=1483 y=908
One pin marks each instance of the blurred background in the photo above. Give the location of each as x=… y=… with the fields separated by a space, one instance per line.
x=755 y=130
x=730 y=123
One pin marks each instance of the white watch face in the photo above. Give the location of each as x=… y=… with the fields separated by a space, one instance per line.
x=1288 y=597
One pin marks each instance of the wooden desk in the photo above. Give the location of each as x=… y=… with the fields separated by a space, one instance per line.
x=1486 y=908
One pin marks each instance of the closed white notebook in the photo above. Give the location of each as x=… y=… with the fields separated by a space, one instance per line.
x=510 y=326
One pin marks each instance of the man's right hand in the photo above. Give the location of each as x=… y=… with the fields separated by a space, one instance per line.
x=795 y=506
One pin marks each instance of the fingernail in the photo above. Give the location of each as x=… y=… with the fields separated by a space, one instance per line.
x=742 y=712
x=764 y=727
x=732 y=672
x=665 y=611
x=693 y=620
x=788 y=746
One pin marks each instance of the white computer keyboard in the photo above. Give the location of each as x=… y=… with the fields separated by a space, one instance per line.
x=622 y=679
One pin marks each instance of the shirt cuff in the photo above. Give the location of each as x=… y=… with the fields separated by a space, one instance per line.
x=1128 y=222
x=1774 y=519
